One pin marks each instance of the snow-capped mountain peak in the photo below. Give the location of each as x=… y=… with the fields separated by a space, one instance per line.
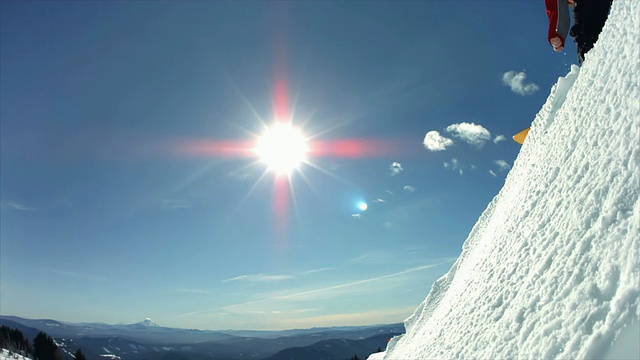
x=147 y=323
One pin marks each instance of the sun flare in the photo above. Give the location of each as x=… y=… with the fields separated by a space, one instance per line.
x=282 y=148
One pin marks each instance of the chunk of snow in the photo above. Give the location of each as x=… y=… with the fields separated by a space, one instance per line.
x=377 y=356
x=10 y=355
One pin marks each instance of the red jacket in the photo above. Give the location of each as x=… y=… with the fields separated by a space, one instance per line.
x=559 y=21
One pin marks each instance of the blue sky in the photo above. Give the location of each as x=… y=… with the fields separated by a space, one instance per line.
x=104 y=218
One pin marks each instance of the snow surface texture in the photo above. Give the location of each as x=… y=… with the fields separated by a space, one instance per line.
x=551 y=269
x=376 y=356
x=8 y=355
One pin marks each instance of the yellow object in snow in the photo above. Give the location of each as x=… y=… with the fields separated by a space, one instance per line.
x=521 y=136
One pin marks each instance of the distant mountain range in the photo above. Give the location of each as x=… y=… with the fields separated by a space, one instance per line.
x=150 y=341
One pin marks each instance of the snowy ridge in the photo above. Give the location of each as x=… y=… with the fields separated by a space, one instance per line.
x=551 y=269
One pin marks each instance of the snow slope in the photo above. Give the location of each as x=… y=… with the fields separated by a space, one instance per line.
x=7 y=355
x=551 y=269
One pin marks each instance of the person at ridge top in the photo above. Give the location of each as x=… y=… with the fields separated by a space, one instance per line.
x=589 y=17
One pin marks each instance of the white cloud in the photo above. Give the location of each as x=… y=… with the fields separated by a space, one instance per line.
x=195 y=291
x=395 y=168
x=241 y=277
x=361 y=258
x=409 y=188
x=383 y=316
x=454 y=165
x=493 y=173
x=273 y=277
x=470 y=133
x=330 y=291
x=499 y=138
x=503 y=165
x=259 y=278
x=357 y=216
x=435 y=142
x=17 y=206
x=378 y=200
x=516 y=82
x=317 y=270
x=170 y=204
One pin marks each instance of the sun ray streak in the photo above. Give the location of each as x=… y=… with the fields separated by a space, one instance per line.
x=327 y=130
x=304 y=123
x=327 y=172
x=249 y=192
x=303 y=73
x=195 y=176
x=281 y=209
x=214 y=148
x=310 y=184
x=294 y=200
x=245 y=100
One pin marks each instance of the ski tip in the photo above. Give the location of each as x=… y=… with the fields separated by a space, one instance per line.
x=521 y=136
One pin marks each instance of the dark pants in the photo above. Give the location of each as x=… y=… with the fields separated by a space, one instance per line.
x=589 y=17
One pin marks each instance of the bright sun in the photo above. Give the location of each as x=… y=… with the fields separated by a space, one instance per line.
x=282 y=148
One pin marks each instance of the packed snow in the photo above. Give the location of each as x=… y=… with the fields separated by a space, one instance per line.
x=551 y=269
x=377 y=356
x=9 y=355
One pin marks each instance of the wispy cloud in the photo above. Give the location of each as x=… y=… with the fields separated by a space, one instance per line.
x=314 y=271
x=516 y=81
x=378 y=200
x=361 y=258
x=503 y=165
x=382 y=316
x=75 y=274
x=237 y=278
x=171 y=204
x=395 y=168
x=306 y=310
x=357 y=216
x=454 y=165
x=259 y=278
x=16 y=206
x=273 y=277
x=195 y=291
x=433 y=141
x=470 y=133
x=499 y=138
x=241 y=175
x=409 y=188
x=327 y=291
